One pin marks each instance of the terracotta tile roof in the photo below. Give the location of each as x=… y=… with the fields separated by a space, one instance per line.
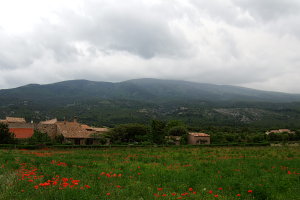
x=14 y=120
x=22 y=133
x=100 y=129
x=199 y=134
x=73 y=130
x=89 y=128
x=51 y=121
x=85 y=126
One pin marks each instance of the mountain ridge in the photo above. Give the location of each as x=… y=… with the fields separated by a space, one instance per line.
x=146 y=89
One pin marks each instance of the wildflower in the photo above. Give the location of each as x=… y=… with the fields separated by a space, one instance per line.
x=64 y=184
x=87 y=186
x=190 y=189
x=108 y=194
x=220 y=188
x=238 y=195
x=164 y=195
x=159 y=189
x=250 y=191
x=65 y=179
x=210 y=192
x=36 y=187
x=216 y=195
x=173 y=194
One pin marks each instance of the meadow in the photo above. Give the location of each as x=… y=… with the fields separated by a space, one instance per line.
x=151 y=173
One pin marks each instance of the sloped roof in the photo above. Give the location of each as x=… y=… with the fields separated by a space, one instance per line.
x=14 y=120
x=95 y=129
x=85 y=126
x=73 y=130
x=100 y=129
x=51 y=121
x=199 y=134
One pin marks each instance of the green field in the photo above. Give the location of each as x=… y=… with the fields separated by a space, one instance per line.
x=151 y=173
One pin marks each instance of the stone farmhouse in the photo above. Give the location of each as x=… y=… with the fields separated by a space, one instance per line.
x=72 y=132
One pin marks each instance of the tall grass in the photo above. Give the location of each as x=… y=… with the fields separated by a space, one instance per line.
x=152 y=173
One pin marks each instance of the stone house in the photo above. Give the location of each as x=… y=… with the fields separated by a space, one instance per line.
x=72 y=132
x=280 y=131
x=198 y=138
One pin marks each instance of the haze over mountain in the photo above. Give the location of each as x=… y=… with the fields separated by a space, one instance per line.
x=148 y=90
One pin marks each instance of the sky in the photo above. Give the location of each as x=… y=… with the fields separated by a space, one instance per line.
x=250 y=43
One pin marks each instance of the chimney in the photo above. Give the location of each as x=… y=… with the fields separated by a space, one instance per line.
x=75 y=119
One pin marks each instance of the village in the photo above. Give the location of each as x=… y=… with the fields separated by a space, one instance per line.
x=76 y=133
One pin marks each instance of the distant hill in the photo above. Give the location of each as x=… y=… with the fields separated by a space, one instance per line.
x=139 y=100
x=150 y=90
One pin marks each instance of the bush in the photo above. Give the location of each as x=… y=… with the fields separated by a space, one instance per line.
x=6 y=137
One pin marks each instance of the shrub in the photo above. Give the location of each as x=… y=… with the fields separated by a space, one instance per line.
x=6 y=137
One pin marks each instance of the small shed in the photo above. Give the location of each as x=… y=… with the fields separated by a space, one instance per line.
x=198 y=138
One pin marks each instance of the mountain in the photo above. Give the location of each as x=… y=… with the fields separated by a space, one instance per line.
x=150 y=90
x=140 y=100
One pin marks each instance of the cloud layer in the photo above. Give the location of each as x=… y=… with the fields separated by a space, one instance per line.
x=250 y=43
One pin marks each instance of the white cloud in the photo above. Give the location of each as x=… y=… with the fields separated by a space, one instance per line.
x=248 y=43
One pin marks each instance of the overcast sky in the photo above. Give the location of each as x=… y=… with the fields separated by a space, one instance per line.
x=252 y=43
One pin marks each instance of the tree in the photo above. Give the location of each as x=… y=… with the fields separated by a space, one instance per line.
x=6 y=137
x=130 y=133
x=177 y=131
x=40 y=138
x=158 y=131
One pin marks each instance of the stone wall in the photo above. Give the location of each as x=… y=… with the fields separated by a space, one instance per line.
x=194 y=140
x=50 y=129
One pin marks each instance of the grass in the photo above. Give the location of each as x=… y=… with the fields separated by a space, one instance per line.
x=151 y=173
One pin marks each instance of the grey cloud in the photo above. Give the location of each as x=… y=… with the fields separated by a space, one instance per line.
x=138 y=30
x=224 y=42
x=269 y=10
